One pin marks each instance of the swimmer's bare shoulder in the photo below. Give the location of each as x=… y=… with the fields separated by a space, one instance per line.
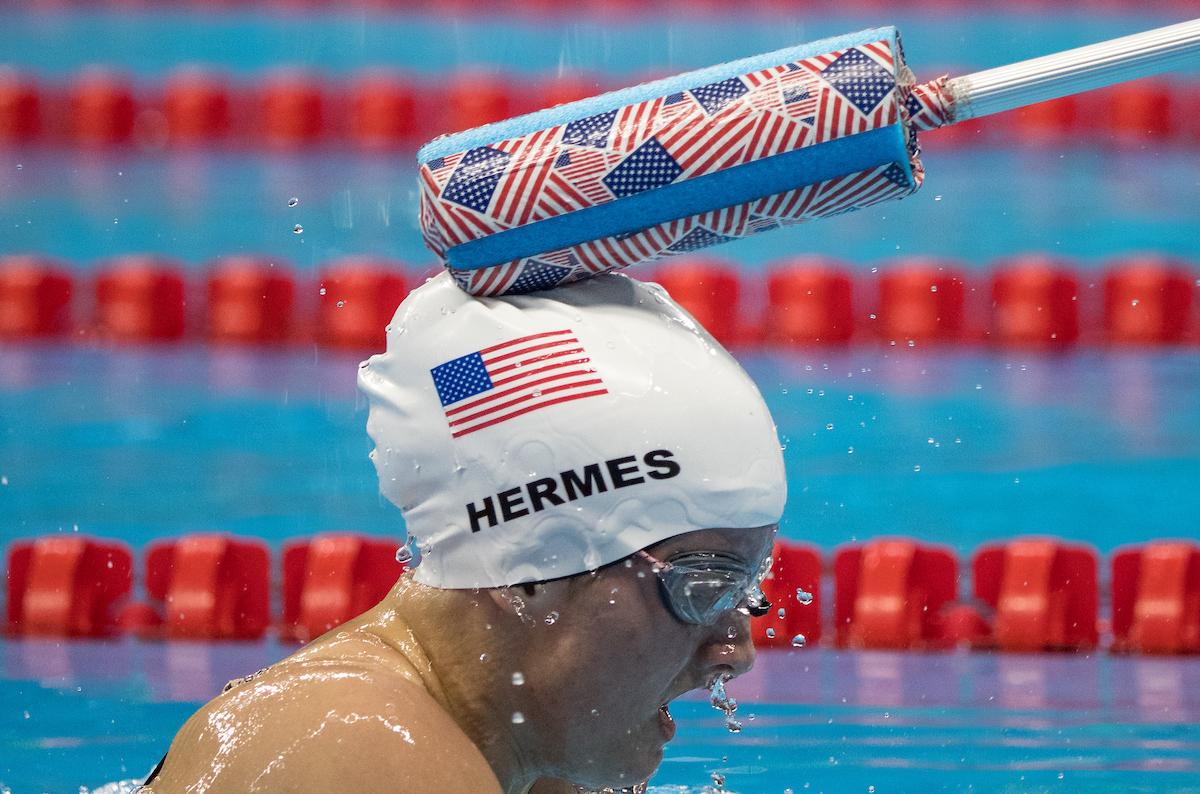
x=316 y=721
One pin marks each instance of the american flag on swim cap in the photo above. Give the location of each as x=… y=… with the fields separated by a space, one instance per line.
x=510 y=379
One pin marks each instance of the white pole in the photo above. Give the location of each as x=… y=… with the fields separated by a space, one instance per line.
x=1074 y=71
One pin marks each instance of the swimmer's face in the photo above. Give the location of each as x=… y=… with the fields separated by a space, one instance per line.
x=617 y=654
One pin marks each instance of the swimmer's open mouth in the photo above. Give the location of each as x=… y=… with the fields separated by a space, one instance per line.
x=666 y=722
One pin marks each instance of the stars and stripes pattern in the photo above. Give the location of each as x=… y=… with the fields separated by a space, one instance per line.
x=503 y=381
x=929 y=105
x=666 y=140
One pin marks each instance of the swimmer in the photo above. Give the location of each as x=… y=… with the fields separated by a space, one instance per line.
x=594 y=485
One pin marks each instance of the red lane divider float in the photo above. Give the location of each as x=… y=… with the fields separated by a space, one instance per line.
x=1029 y=594
x=1156 y=598
x=890 y=593
x=67 y=586
x=793 y=587
x=920 y=301
x=20 y=107
x=1035 y=303
x=250 y=300
x=211 y=587
x=809 y=303
x=1043 y=591
x=197 y=107
x=332 y=578
x=358 y=297
x=1148 y=300
x=710 y=290
x=140 y=299
x=293 y=109
x=384 y=110
x=35 y=297
x=102 y=109
x=1029 y=301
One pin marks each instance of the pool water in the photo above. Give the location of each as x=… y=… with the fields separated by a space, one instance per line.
x=87 y=713
x=954 y=445
x=957 y=445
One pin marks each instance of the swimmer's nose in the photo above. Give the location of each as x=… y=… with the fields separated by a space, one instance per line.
x=729 y=645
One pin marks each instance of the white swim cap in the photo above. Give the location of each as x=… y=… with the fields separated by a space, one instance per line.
x=536 y=436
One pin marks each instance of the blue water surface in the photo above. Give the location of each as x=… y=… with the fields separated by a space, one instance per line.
x=978 y=205
x=86 y=713
x=956 y=446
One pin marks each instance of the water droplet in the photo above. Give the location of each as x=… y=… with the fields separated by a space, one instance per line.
x=340 y=304
x=293 y=201
x=718 y=779
x=518 y=679
x=1133 y=302
x=19 y=166
x=799 y=641
x=803 y=596
x=720 y=701
x=483 y=657
x=938 y=197
x=770 y=634
x=404 y=554
x=917 y=467
x=518 y=718
x=322 y=290
x=110 y=565
x=732 y=633
x=929 y=440
x=3 y=480
x=297 y=229
x=781 y=613
x=551 y=619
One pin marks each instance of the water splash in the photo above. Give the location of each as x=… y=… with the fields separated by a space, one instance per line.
x=721 y=701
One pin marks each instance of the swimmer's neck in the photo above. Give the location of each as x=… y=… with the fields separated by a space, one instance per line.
x=448 y=643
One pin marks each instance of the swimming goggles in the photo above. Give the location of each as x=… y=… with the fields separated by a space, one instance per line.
x=699 y=587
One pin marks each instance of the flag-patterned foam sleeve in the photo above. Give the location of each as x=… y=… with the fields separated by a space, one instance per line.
x=675 y=165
